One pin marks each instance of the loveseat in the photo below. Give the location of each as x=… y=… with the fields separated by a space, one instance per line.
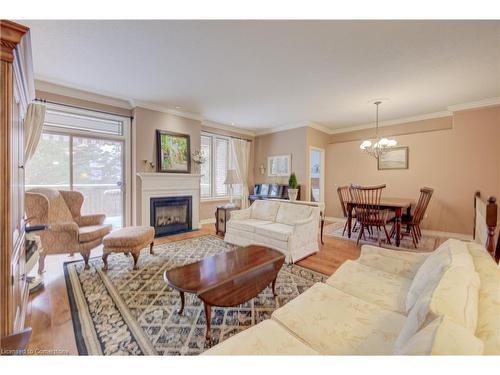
x=286 y=227
x=388 y=302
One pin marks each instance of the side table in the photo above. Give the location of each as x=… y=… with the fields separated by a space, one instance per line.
x=222 y=215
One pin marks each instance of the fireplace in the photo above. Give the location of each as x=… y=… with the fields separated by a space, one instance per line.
x=170 y=215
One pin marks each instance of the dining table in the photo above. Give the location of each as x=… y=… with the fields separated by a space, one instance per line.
x=397 y=205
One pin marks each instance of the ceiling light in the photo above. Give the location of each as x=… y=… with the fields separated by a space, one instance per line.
x=377 y=146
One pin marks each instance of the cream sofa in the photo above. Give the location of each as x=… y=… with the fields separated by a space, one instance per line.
x=388 y=302
x=286 y=227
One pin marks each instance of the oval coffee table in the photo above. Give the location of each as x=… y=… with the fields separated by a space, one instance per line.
x=227 y=279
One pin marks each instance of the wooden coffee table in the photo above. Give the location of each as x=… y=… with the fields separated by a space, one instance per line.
x=227 y=279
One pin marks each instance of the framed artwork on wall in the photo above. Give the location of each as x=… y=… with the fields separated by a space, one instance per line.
x=173 y=152
x=395 y=158
x=279 y=166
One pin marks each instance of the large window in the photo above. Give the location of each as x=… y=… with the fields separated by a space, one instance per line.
x=219 y=155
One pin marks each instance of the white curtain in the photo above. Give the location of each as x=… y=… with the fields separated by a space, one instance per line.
x=33 y=125
x=241 y=153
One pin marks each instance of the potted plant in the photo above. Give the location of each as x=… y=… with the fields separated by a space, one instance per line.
x=292 y=187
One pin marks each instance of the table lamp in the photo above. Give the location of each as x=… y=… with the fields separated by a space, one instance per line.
x=231 y=179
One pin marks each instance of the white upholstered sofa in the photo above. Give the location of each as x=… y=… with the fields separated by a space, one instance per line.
x=389 y=302
x=286 y=227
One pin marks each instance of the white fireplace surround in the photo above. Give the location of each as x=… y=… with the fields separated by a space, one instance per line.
x=157 y=185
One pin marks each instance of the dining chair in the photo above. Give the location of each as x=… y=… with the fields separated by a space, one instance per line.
x=413 y=221
x=344 y=193
x=367 y=207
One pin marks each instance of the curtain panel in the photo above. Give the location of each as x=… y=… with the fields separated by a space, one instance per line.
x=241 y=153
x=33 y=125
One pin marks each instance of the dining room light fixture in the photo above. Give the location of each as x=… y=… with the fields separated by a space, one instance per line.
x=377 y=146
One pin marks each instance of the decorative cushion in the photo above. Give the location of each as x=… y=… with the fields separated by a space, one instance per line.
x=264 y=210
x=455 y=296
x=488 y=321
x=266 y=338
x=401 y=263
x=450 y=254
x=290 y=213
x=93 y=232
x=130 y=237
x=247 y=225
x=442 y=337
x=334 y=322
x=384 y=289
x=277 y=231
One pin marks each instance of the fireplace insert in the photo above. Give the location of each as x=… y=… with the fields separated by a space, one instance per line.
x=171 y=215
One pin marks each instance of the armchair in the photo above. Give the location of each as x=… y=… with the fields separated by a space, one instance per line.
x=69 y=230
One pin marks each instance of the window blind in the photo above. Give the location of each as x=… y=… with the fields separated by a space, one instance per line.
x=206 y=168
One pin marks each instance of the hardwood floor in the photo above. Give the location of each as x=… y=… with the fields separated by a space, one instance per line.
x=49 y=313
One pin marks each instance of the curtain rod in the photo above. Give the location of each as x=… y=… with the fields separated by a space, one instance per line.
x=85 y=108
x=228 y=136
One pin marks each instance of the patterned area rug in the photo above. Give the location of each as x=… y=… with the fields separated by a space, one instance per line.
x=134 y=312
x=426 y=244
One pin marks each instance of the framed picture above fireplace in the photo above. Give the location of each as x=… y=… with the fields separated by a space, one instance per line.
x=173 y=152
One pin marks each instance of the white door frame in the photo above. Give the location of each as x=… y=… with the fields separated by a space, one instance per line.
x=125 y=138
x=322 y=173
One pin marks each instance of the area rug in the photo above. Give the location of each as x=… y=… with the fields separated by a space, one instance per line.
x=427 y=243
x=129 y=312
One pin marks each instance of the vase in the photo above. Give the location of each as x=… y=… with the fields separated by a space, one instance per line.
x=292 y=194
x=197 y=168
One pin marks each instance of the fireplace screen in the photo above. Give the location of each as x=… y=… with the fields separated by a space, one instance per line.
x=170 y=215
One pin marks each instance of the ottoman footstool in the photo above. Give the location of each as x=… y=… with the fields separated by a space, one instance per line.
x=129 y=240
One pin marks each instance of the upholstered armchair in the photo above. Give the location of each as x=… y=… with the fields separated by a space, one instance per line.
x=69 y=231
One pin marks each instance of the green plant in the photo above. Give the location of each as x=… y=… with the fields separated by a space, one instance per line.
x=292 y=181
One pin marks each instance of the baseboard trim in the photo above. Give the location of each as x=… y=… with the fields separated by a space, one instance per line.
x=334 y=219
x=429 y=232
x=207 y=221
x=438 y=233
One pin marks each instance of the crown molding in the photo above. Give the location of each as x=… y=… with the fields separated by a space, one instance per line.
x=294 y=125
x=320 y=127
x=72 y=91
x=218 y=125
x=488 y=102
x=398 y=121
x=175 y=112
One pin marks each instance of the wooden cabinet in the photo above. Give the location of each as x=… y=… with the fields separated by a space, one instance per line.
x=16 y=92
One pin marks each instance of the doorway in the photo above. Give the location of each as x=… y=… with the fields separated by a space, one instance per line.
x=316 y=174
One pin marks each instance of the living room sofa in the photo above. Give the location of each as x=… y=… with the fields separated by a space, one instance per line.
x=287 y=227
x=388 y=302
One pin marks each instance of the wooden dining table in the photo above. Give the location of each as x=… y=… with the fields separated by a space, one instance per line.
x=397 y=205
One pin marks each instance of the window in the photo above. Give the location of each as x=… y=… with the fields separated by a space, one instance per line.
x=206 y=168
x=219 y=155
x=84 y=151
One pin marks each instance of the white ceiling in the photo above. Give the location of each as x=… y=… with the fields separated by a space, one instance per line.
x=263 y=74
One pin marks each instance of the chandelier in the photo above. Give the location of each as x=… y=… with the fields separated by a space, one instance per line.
x=378 y=146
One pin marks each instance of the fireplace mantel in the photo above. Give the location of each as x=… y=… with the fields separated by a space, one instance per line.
x=155 y=185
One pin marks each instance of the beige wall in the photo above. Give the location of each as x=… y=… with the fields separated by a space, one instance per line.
x=146 y=122
x=455 y=162
x=294 y=142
